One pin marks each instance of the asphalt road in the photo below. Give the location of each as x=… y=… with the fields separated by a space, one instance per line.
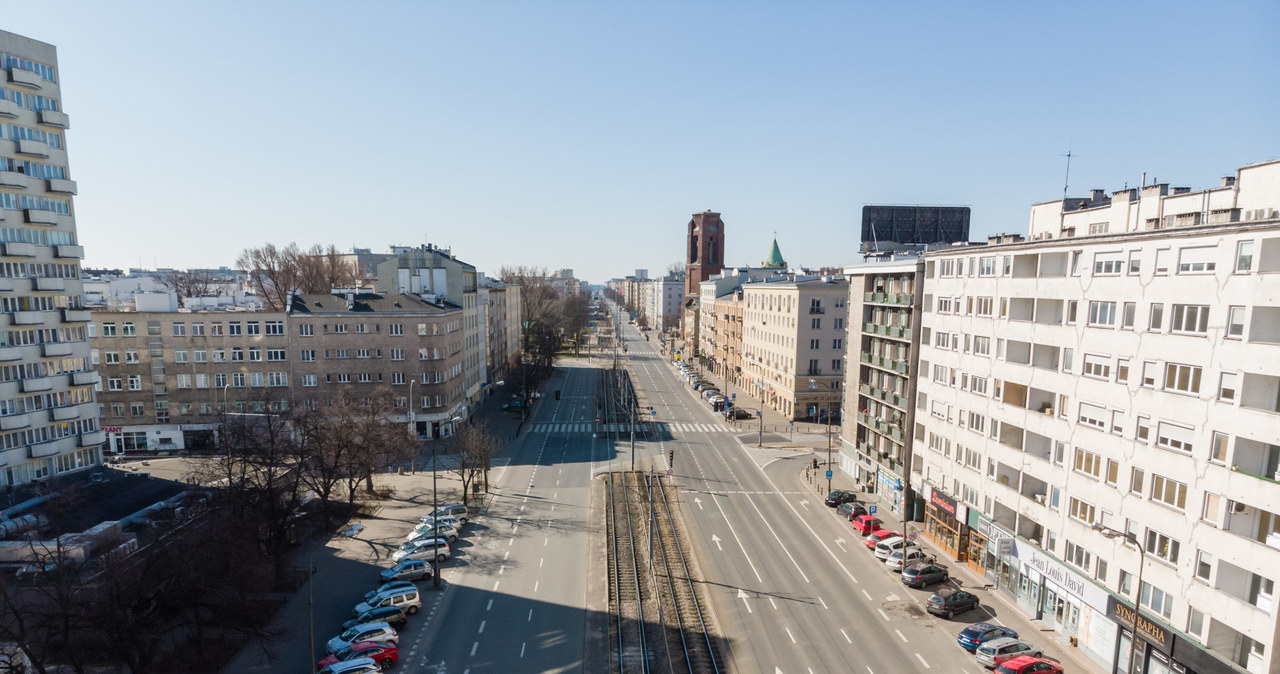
x=791 y=585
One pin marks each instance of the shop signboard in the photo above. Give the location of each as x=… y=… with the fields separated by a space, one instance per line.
x=1150 y=631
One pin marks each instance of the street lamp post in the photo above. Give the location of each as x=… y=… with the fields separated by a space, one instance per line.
x=813 y=386
x=1137 y=604
x=413 y=431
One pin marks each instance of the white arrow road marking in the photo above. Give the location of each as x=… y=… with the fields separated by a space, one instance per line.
x=716 y=539
x=698 y=502
x=742 y=594
x=805 y=503
x=840 y=544
x=892 y=597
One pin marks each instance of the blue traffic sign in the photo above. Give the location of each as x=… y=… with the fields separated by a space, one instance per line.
x=871 y=510
x=828 y=475
x=733 y=396
x=653 y=412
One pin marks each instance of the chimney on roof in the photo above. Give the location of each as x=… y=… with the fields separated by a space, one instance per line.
x=351 y=301
x=1097 y=195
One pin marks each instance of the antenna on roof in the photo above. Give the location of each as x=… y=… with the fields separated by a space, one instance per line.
x=1066 y=179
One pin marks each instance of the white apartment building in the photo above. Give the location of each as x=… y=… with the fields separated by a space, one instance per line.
x=660 y=301
x=1121 y=370
x=793 y=343
x=48 y=413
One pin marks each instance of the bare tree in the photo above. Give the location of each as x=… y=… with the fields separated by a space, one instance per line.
x=321 y=269
x=475 y=448
x=188 y=284
x=273 y=273
x=675 y=268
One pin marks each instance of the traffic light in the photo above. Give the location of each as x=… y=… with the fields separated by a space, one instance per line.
x=557 y=394
x=671 y=457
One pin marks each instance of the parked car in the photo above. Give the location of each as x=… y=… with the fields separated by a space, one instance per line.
x=739 y=413
x=513 y=405
x=356 y=666
x=363 y=632
x=709 y=391
x=867 y=524
x=947 y=603
x=411 y=569
x=443 y=519
x=880 y=535
x=1025 y=664
x=427 y=548
x=407 y=599
x=897 y=558
x=998 y=650
x=922 y=574
x=391 y=615
x=891 y=545
x=839 y=496
x=457 y=510
x=389 y=586
x=973 y=636
x=382 y=653
x=433 y=528
x=851 y=510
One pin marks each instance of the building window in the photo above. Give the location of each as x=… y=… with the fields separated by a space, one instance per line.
x=1143 y=431
x=1190 y=319
x=1235 y=322
x=395 y=329
x=1212 y=506
x=108 y=329
x=1244 y=257
x=216 y=329
x=113 y=384
x=1195 y=622
x=1169 y=492
x=1218 y=448
x=1102 y=313
x=1227 y=386
x=814 y=343
x=276 y=355
x=255 y=354
x=202 y=381
x=308 y=380
x=237 y=380
x=1149 y=373
x=234 y=329
x=112 y=357
x=397 y=378
x=1157 y=600
x=128 y=329
x=1197 y=260
x=201 y=355
x=1081 y=510
x=256 y=379
x=1175 y=437
x=135 y=382
x=1122 y=370
x=1108 y=264
x=1204 y=564
x=307 y=355
x=837 y=344
x=131 y=356
x=180 y=356
x=219 y=380
x=1127 y=317
x=1077 y=556
x=179 y=329
x=275 y=327
x=197 y=329
x=1135 y=261
x=1137 y=479
x=1088 y=463
x=397 y=354
x=836 y=365
x=1098 y=367
x=1113 y=472
x=1182 y=378
x=1162 y=546
x=1157 y=318
x=816 y=323
x=306 y=330
x=184 y=381
x=137 y=409
x=254 y=328
x=277 y=379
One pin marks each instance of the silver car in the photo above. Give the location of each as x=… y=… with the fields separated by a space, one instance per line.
x=990 y=654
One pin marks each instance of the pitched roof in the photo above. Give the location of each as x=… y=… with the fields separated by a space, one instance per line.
x=774 y=260
x=365 y=303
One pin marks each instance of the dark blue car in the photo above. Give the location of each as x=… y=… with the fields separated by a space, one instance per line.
x=977 y=634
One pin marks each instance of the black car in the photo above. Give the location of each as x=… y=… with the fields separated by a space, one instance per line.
x=840 y=496
x=851 y=510
x=392 y=615
x=921 y=574
x=949 y=603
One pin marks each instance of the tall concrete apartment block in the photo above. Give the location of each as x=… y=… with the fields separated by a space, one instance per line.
x=880 y=383
x=1118 y=375
x=705 y=248
x=48 y=416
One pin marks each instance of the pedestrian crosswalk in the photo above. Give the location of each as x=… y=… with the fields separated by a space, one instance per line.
x=658 y=427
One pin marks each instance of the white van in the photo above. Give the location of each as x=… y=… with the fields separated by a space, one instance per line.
x=891 y=545
x=427 y=548
x=452 y=510
x=406 y=599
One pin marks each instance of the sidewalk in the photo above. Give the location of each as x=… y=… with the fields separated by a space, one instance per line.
x=1056 y=645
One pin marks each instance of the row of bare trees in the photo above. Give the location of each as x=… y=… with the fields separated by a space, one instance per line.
x=550 y=319
x=277 y=273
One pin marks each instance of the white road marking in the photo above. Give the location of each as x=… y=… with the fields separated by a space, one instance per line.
x=474 y=647
x=867 y=595
x=883 y=614
x=502 y=569
x=530 y=615
x=535 y=586
x=793 y=637
x=921 y=659
x=510 y=541
x=540 y=561
x=846 y=636
x=781 y=544
x=824 y=604
x=840 y=544
x=742 y=594
x=716 y=539
x=544 y=541
x=811 y=531
x=495 y=585
x=773 y=603
x=505 y=555
x=481 y=627
x=489 y=606
x=522 y=645
x=901 y=636
x=739 y=540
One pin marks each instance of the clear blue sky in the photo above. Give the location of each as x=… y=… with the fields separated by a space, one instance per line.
x=584 y=134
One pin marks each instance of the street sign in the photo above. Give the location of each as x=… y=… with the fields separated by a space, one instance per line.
x=733 y=396
x=912 y=535
x=871 y=510
x=653 y=413
x=828 y=475
x=668 y=471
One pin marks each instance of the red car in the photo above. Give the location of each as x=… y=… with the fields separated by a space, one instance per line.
x=382 y=652
x=1025 y=664
x=865 y=524
x=880 y=535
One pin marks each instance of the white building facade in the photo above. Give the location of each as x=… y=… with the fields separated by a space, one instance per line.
x=48 y=412
x=1127 y=379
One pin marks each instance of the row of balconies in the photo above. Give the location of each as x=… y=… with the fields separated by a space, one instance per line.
x=38 y=317
x=21 y=181
x=14 y=422
x=886 y=427
x=22 y=249
x=884 y=396
x=893 y=331
x=889 y=298
x=9 y=354
x=11 y=389
x=896 y=365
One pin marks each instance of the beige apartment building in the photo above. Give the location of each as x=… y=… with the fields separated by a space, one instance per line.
x=48 y=419
x=793 y=343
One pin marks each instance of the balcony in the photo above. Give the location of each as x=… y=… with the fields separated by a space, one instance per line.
x=93 y=438
x=9 y=109
x=69 y=252
x=37 y=384
x=65 y=413
x=816 y=310
x=76 y=316
x=55 y=118
x=39 y=217
x=62 y=186
x=1260 y=392
x=52 y=349
x=19 y=249
x=31 y=148
x=85 y=378
x=9 y=354
x=15 y=421
x=9 y=389
x=28 y=317
x=52 y=448
x=13 y=180
x=25 y=78
x=49 y=283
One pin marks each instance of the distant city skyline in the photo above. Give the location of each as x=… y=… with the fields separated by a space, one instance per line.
x=585 y=136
